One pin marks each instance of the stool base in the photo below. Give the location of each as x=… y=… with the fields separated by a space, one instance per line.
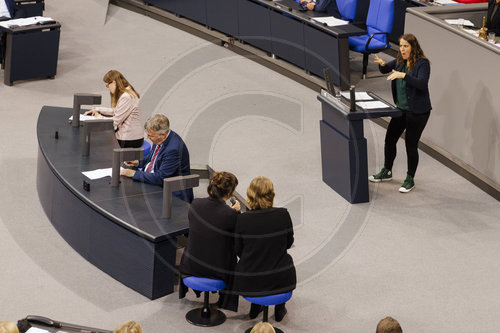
x=195 y=317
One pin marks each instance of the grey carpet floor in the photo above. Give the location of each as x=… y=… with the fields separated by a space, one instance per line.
x=428 y=258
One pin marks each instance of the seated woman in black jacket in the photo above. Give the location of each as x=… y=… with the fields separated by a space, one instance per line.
x=263 y=236
x=210 y=248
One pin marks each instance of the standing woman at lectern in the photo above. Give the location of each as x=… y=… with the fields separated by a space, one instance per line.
x=125 y=110
x=410 y=73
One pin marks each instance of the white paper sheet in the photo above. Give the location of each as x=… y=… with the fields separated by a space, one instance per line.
x=25 y=21
x=96 y=174
x=446 y=2
x=460 y=21
x=330 y=21
x=360 y=96
x=372 y=105
x=36 y=330
x=83 y=117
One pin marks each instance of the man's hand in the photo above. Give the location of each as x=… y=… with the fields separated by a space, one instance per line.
x=132 y=163
x=127 y=172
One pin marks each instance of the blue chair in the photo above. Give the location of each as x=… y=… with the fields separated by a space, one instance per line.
x=205 y=316
x=347 y=9
x=379 y=26
x=265 y=301
x=147 y=148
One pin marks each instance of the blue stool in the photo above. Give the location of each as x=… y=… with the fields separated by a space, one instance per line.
x=205 y=316
x=147 y=148
x=265 y=301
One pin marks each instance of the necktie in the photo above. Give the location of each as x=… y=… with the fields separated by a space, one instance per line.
x=151 y=164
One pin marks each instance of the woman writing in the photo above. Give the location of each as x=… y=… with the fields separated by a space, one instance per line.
x=263 y=236
x=125 y=110
x=210 y=248
x=410 y=73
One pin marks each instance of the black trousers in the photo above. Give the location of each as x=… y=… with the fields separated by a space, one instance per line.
x=414 y=125
x=131 y=143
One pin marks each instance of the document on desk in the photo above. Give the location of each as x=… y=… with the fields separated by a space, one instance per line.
x=22 y=22
x=330 y=21
x=96 y=174
x=36 y=330
x=460 y=21
x=84 y=117
x=360 y=96
x=372 y=105
x=447 y=2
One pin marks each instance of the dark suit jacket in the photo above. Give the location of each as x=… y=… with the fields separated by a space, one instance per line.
x=417 y=88
x=493 y=21
x=14 y=10
x=210 y=249
x=172 y=160
x=262 y=239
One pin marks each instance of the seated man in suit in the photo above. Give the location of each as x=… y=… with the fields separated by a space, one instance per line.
x=9 y=10
x=329 y=6
x=168 y=157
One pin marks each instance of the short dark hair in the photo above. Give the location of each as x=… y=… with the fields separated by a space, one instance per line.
x=388 y=325
x=222 y=184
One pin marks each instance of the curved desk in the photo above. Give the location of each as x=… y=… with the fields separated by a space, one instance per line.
x=117 y=229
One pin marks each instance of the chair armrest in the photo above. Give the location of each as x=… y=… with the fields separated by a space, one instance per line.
x=378 y=33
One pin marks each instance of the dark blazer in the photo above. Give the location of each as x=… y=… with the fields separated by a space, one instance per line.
x=417 y=88
x=493 y=21
x=210 y=247
x=262 y=239
x=172 y=160
x=14 y=10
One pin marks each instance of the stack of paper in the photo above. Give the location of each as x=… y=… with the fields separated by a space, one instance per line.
x=330 y=21
x=372 y=105
x=360 y=96
x=446 y=2
x=22 y=22
x=460 y=21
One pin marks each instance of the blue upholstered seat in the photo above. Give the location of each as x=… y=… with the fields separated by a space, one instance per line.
x=378 y=25
x=347 y=9
x=271 y=299
x=147 y=148
x=205 y=316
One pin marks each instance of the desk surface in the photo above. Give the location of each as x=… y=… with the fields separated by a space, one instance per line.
x=133 y=205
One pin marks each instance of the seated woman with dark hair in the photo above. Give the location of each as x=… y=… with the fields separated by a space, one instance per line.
x=210 y=251
x=263 y=236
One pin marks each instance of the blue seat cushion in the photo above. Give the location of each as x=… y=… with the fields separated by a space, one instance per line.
x=203 y=284
x=358 y=44
x=147 y=147
x=271 y=299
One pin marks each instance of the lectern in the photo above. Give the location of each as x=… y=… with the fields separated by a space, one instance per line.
x=343 y=145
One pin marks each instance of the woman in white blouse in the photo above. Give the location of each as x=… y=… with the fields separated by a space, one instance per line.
x=124 y=110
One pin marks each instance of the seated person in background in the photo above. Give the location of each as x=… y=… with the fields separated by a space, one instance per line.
x=329 y=6
x=263 y=327
x=168 y=157
x=388 y=325
x=9 y=10
x=263 y=236
x=125 y=110
x=129 y=327
x=210 y=251
x=8 y=326
x=493 y=17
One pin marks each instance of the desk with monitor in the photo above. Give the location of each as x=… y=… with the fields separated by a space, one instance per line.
x=120 y=229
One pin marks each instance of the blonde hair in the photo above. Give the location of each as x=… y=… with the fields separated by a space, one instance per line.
x=129 y=327
x=121 y=85
x=388 y=325
x=8 y=327
x=260 y=193
x=263 y=327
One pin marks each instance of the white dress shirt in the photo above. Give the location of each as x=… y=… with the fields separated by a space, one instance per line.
x=4 y=11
